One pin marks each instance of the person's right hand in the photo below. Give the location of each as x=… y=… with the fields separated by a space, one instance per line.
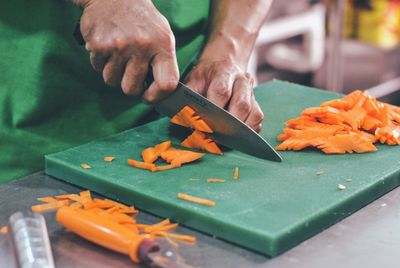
x=124 y=38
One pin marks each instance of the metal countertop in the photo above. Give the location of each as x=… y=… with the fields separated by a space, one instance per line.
x=368 y=238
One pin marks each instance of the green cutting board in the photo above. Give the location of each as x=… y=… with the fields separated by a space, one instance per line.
x=270 y=208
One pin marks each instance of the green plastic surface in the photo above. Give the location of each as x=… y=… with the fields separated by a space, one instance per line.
x=270 y=208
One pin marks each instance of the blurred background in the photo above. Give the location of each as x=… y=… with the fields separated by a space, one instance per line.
x=338 y=45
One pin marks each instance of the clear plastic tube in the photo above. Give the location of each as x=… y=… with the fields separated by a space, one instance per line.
x=30 y=240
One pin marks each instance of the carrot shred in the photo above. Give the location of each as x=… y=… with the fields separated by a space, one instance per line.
x=85 y=166
x=351 y=124
x=109 y=158
x=50 y=206
x=178 y=157
x=185 y=238
x=198 y=140
x=4 y=229
x=197 y=200
x=47 y=199
x=142 y=165
x=215 y=180
x=236 y=173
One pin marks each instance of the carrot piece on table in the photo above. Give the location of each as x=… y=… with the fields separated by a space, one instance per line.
x=236 y=173
x=85 y=166
x=142 y=165
x=187 y=118
x=215 y=180
x=50 y=206
x=185 y=238
x=178 y=157
x=47 y=199
x=197 y=200
x=166 y=167
x=4 y=229
x=198 y=140
x=109 y=158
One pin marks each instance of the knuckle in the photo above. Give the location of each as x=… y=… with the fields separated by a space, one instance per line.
x=243 y=105
x=142 y=43
x=258 y=116
x=222 y=92
x=169 y=85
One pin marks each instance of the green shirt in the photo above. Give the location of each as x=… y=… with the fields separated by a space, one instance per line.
x=50 y=97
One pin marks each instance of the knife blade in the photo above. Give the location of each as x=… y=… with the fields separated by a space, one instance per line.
x=228 y=130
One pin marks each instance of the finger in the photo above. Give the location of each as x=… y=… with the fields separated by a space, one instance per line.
x=240 y=104
x=134 y=76
x=98 y=60
x=256 y=116
x=113 y=70
x=220 y=89
x=166 y=78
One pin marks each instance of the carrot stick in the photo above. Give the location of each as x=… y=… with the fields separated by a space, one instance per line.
x=186 y=238
x=47 y=199
x=196 y=200
x=236 y=173
x=50 y=206
x=215 y=180
x=108 y=158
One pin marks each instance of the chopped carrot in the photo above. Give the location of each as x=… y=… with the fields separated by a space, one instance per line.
x=85 y=166
x=109 y=158
x=142 y=165
x=351 y=124
x=236 y=173
x=197 y=200
x=187 y=118
x=215 y=180
x=151 y=154
x=186 y=238
x=179 y=157
x=4 y=229
x=198 y=140
x=47 y=199
x=162 y=168
x=50 y=206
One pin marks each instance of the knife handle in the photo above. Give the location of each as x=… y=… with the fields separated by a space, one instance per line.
x=81 y=41
x=107 y=233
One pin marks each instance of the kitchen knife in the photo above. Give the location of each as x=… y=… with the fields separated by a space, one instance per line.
x=228 y=130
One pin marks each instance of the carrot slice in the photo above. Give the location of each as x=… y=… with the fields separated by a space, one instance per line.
x=198 y=140
x=185 y=238
x=151 y=154
x=236 y=173
x=166 y=167
x=109 y=158
x=197 y=200
x=4 y=229
x=85 y=166
x=342 y=143
x=178 y=157
x=187 y=118
x=50 y=206
x=47 y=199
x=215 y=180
x=142 y=165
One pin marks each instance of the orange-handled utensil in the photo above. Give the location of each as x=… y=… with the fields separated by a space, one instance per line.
x=107 y=233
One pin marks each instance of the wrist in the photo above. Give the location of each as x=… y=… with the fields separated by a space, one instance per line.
x=227 y=47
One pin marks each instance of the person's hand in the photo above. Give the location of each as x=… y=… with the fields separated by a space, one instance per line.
x=225 y=83
x=124 y=38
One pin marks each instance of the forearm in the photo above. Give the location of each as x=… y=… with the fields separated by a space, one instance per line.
x=234 y=28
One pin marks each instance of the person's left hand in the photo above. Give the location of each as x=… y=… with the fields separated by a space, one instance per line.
x=225 y=83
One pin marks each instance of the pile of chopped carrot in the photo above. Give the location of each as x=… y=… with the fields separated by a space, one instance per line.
x=351 y=124
x=111 y=210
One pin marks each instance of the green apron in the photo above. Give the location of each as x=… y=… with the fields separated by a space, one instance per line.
x=50 y=97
